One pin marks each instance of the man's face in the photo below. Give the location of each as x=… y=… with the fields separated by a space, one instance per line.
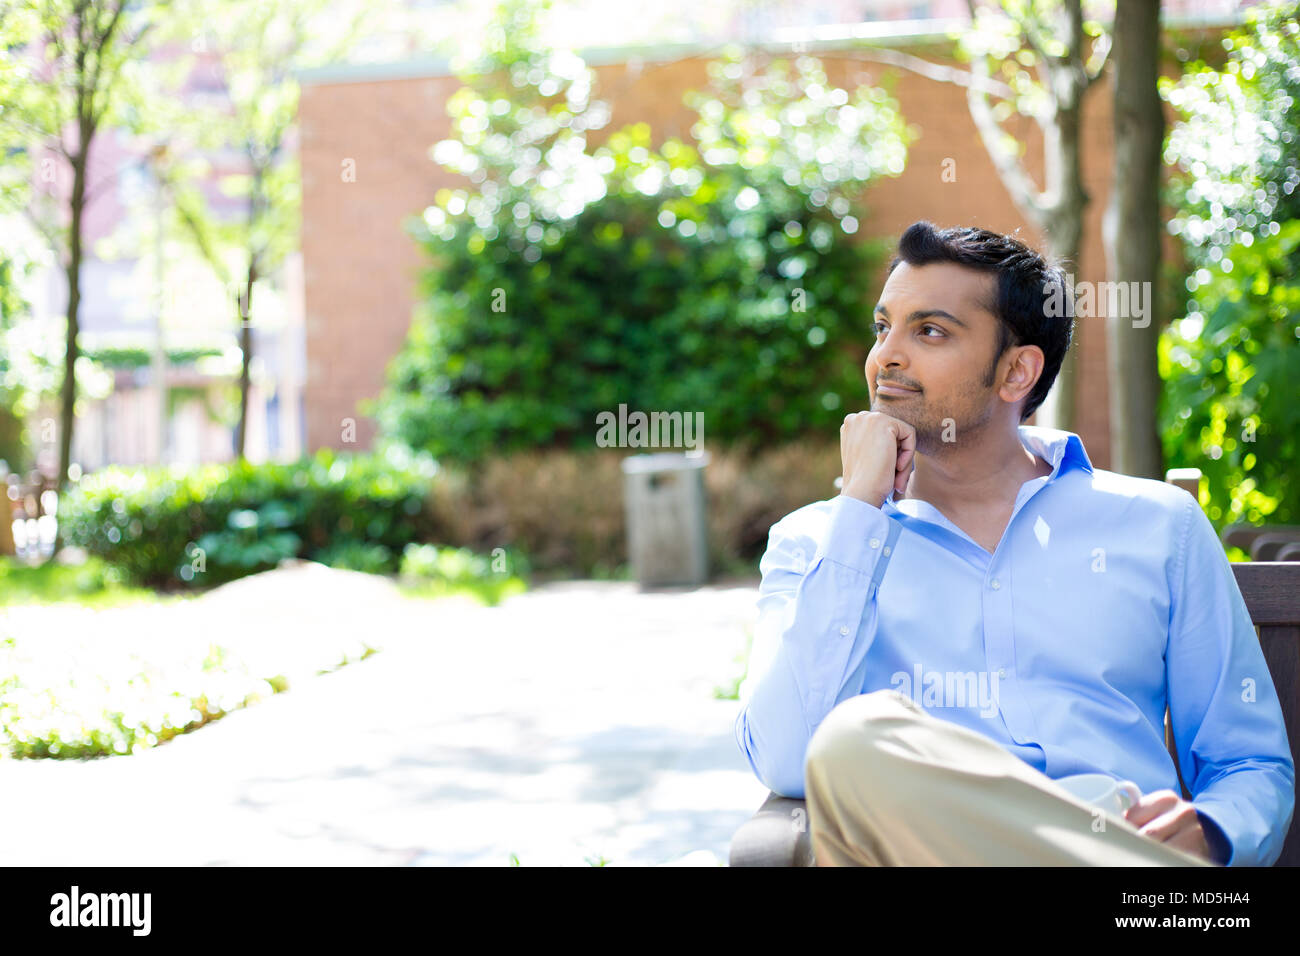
x=936 y=340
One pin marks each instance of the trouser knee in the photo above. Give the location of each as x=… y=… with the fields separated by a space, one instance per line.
x=852 y=728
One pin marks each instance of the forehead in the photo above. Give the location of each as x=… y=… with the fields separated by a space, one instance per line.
x=966 y=293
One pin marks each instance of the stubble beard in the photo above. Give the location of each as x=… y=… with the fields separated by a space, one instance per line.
x=963 y=419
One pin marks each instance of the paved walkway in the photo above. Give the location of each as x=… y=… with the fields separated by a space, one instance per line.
x=574 y=721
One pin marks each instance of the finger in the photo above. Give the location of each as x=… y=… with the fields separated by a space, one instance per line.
x=1150 y=806
x=1189 y=840
x=1164 y=826
x=905 y=435
x=905 y=461
x=906 y=438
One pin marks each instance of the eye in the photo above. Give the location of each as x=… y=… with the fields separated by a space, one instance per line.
x=936 y=328
x=880 y=328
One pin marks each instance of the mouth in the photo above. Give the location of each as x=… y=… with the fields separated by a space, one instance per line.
x=894 y=391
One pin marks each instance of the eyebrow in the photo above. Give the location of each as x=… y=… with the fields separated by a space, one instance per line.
x=926 y=314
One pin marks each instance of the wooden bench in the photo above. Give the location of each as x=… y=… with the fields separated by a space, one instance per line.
x=778 y=834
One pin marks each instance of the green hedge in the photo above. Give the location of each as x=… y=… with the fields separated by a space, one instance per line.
x=172 y=527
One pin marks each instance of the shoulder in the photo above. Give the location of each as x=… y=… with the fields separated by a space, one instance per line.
x=1154 y=516
x=1138 y=497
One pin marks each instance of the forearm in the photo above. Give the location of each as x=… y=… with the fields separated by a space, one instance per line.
x=816 y=626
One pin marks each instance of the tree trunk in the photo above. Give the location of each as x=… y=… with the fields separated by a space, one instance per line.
x=246 y=350
x=68 y=393
x=68 y=398
x=1132 y=231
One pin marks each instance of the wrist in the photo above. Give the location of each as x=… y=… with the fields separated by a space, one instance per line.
x=873 y=498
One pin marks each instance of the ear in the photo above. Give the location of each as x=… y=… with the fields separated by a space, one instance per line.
x=1024 y=364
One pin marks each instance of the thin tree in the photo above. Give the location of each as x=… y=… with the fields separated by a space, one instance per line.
x=68 y=63
x=256 y=49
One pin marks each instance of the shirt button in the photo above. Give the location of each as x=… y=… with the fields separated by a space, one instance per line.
x=886 y=551
x=994 y=584
x=874 y=542
x=1002 y=672
x=844 y=631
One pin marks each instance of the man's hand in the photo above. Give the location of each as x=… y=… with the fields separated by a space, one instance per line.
x=876 y=452
x=1167 y=818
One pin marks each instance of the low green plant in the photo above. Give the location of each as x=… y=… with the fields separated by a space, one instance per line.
x=354 y=555
x=430 y=571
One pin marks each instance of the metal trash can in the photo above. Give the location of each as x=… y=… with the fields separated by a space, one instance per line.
x=667 y=530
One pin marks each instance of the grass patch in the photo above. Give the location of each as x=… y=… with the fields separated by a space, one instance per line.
x=98 y=695
x=94 y=583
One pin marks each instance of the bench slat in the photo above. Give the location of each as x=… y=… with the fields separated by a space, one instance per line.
x=1271 y=590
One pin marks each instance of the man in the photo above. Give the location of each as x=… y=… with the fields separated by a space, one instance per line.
x=981 y=616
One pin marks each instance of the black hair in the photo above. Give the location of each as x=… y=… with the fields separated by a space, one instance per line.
x=1025 y=283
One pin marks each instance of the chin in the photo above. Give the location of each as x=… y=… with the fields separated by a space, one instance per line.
x=904 y=410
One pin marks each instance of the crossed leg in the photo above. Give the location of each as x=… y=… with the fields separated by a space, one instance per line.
x=888 y=784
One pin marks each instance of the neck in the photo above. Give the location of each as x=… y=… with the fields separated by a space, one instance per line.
x=984 y=471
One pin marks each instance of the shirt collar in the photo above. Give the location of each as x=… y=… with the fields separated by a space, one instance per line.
x=1060 y=449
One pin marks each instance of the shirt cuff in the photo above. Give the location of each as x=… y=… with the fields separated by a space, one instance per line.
x=1220 y=845
x=861 y=537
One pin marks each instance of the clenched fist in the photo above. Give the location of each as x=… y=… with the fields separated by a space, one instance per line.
x=876 y=452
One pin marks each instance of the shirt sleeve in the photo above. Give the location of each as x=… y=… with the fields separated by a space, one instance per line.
x=817 y=618
x=1227 y=720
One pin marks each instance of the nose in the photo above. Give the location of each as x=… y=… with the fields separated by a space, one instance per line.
x=889 y=351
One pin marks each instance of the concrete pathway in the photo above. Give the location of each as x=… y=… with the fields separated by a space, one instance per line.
x=575 y=721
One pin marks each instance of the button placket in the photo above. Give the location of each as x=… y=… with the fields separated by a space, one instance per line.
x=998 y=643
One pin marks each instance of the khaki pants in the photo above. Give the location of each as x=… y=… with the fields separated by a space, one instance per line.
x=888 y=784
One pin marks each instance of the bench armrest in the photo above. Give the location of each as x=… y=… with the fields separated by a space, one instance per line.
x=777 y=835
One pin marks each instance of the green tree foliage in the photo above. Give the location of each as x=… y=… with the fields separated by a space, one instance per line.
x=719 y=276
x=1231 y=363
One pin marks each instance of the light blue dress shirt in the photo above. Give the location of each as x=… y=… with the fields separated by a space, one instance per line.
x=1107 y=598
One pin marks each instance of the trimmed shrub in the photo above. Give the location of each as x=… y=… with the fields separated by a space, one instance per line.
x=172 y=527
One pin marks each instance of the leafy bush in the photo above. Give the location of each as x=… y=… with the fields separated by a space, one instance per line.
x=721 y=277
x=1230 y=363
x=178 y=527
x=1230 y=369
